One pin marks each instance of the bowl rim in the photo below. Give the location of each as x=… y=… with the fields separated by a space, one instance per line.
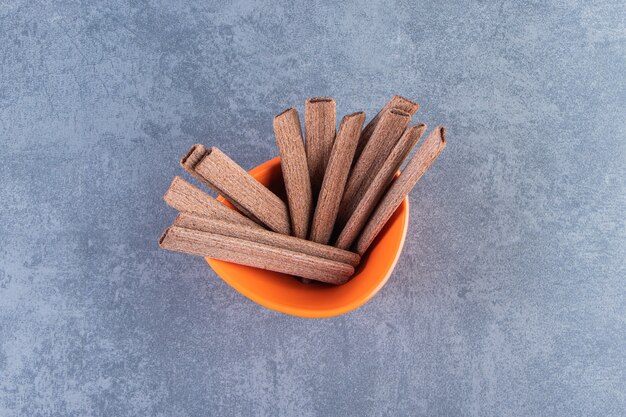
x=305 y=312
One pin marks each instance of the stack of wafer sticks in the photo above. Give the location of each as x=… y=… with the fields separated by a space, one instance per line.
x=342 y=187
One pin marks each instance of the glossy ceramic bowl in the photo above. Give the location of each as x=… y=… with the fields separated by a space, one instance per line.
x=283 y=293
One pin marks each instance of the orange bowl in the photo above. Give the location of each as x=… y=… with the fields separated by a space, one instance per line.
x=283 y=293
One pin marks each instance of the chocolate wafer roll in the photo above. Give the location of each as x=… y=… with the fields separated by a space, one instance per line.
x=367 y=199
x=335 y=177
x=319 y=128
x=187 y=198
x=396 y=102
x=267 y=237
x=386 y=134
x=225 y=177
x=295 y=170
x=258 y=255
x=417 y=166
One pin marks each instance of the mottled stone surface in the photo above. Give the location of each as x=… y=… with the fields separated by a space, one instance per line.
x=509 y=298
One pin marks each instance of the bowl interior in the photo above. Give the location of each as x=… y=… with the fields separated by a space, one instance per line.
x=283 y=293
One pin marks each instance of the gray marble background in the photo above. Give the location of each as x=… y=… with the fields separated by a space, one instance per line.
x=509 y=298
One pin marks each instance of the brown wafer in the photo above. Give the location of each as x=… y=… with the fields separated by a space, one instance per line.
x=367 y=199
x=388 y=131
x=319 y=128
x=417 y=166
x=335 y=177
x=267 y=237
x=396 y=102
x=225 y=177
x=293 y=163
x=258 y=255
x=187 y=198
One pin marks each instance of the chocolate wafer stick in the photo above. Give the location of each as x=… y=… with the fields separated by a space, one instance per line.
x=295 y=171
x=187 y=198
x=367 y=199
x=396 y=102
x=386 y=134
x=258 y=255
x=421 y=161
x=335 y=177
x=225 y=177
x=266 y=237
x=319 y=128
